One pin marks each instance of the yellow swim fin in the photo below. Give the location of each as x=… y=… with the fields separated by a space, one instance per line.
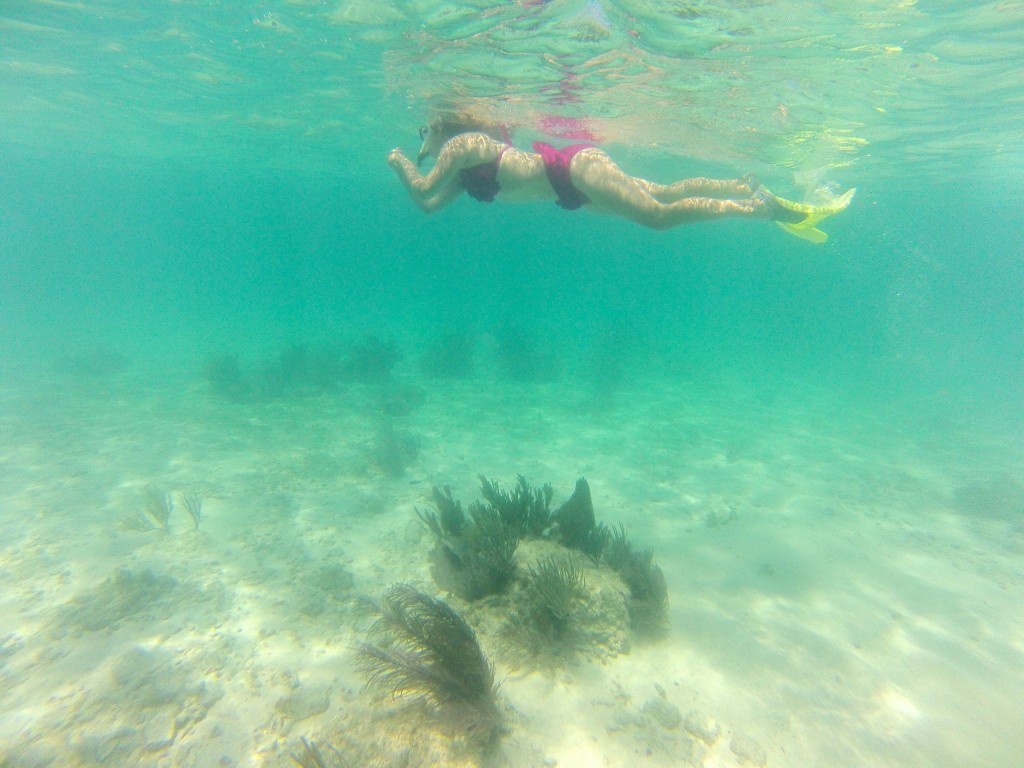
x=807 y=229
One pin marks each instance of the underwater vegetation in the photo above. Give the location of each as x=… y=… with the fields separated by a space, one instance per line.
x=648 y=595
x=370 y=360
x=192 y=502
x=421 y=649
x=450 y=519
x=618 y=550
x=525 y=510
x=297 y=368
x=155 y=513
x=396 y=449
x=595 y=542
x=473 y=554
x=561 y=607
x=555 y=582
x=575 y=518
x=577 y=528
x=648 y=592
x=554 y=589
x=312 y=757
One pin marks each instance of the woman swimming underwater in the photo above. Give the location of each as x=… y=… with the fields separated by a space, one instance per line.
x=476 y=156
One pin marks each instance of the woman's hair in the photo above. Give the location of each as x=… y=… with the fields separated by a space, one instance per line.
x=450 y=122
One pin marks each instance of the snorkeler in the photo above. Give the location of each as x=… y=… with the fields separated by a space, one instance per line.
x=477 y=157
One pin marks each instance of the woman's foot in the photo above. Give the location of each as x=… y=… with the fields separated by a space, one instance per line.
x=751 y=181
x=775 y=210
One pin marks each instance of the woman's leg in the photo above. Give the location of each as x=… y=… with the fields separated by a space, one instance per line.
x=719 y=189
x=611 y=189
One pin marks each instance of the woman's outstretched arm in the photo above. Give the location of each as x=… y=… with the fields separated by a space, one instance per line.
x=442 y=185
x=428 y=203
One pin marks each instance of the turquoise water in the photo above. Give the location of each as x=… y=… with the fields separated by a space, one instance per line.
x=210 y=281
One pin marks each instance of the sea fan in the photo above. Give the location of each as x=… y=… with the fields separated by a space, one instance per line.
x=555 y=585
x=525 y=510
x=547 y=620
x=575 y=518
x=421 y=648
x=471 y=560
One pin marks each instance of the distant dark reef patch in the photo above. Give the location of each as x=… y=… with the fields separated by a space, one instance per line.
x=510 y=352
x=298 y=368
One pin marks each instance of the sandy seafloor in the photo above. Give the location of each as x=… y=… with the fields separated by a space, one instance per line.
x=845 y=579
